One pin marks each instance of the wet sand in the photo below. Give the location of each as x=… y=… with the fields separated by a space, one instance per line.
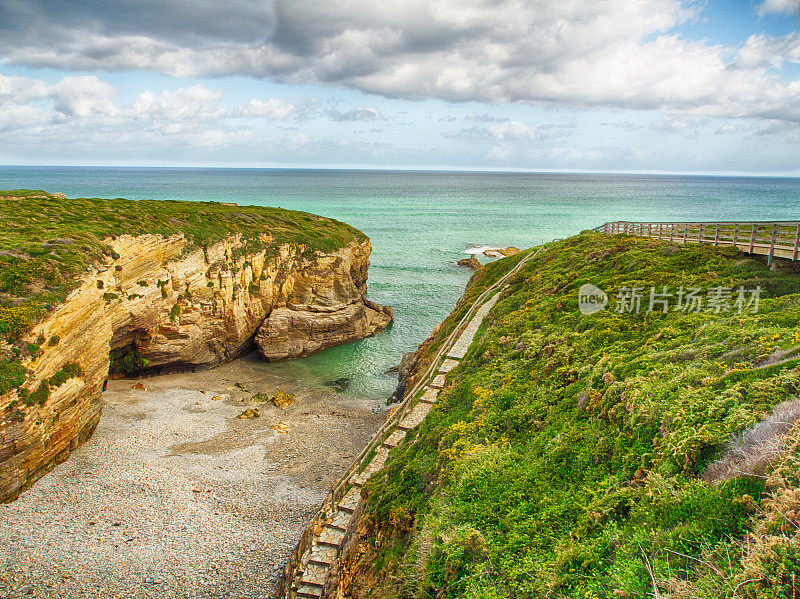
x=175 y=496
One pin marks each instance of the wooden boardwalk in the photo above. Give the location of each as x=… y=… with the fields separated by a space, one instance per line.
x=773 y=239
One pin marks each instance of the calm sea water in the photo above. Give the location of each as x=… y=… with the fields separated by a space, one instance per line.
x=420 y=223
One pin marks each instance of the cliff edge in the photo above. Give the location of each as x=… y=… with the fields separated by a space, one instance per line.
x=602 y=437
x=87 y=292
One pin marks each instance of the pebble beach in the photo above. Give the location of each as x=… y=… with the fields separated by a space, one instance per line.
x=176 y=496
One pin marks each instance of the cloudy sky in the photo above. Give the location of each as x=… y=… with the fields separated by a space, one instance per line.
x=589 y=85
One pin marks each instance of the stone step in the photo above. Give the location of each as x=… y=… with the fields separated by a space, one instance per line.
x=416 y=416
x=339 y=520
x=375 y=464
x=331 y=536
x=322 y=555
x=448 y=365
x=310 y=582
x=350 y=501
x=307 y=590
x=394 y=439
x=430 y=395
x=438 y=381
x=315 y=574
x=460 y=347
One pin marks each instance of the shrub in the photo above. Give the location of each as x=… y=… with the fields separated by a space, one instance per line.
x=68 y=371
x=751 y=451
x=12 y=375
x=174 y=312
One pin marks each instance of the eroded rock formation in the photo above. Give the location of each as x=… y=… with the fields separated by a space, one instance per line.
x=160 y=307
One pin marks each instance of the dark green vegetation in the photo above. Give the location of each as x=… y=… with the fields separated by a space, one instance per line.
x=46 y=243
x=565 y=457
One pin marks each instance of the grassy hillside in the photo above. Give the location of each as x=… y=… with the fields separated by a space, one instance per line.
x=46 y=243
x=610 y=455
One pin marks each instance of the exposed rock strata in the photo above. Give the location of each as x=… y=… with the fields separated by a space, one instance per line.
x=157 y=307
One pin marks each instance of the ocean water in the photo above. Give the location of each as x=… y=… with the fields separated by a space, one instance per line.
x=420 y=223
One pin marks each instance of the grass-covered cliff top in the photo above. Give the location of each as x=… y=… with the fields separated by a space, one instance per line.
x=47 y=241
x=615 y=455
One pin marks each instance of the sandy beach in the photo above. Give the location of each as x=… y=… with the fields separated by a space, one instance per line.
x=175 y=496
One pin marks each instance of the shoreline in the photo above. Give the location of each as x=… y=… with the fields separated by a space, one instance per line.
x=175 y=496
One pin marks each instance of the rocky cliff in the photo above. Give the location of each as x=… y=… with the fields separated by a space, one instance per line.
x=158 y=304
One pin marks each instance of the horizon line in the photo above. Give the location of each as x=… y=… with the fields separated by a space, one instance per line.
x=435 y=169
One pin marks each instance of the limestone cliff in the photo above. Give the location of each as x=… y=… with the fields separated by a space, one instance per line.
x=157 y=306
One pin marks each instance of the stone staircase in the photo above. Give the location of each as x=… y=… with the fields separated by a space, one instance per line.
x=320 y=546
x=325 y=546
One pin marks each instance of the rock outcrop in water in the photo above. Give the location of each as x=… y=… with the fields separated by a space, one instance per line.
x=157 y=307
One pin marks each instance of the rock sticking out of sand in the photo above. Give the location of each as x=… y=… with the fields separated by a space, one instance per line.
x=281 y=428
x=250 y=413
x=281 y=399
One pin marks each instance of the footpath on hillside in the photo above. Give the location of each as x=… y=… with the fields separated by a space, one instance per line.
x=319 y=548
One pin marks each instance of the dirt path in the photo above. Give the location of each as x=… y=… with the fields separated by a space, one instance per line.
x=174 y=496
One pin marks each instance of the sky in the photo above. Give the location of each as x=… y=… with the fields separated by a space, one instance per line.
x=652 y=86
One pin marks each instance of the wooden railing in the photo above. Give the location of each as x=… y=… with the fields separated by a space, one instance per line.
x=774 y=239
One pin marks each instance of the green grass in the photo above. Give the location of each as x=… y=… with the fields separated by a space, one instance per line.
x=46 y=243
x=571 y=468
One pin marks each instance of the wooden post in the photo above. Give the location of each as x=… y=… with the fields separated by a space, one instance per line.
x=700 y=234
x=736 y=234
x=672 y=232
x=649 y=229
x=753 y=238
x=660 y=230
x=775 y=229
x=796 y=243
x=685 y=231
x=716 y=235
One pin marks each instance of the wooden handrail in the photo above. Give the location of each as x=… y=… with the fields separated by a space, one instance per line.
x=771 y=238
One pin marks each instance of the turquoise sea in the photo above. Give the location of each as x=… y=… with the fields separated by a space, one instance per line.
x=420 y=223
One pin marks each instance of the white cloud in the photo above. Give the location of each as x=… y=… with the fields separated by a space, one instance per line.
x=21 y=89
x=577 y=52
x=726 y=130
x=83 y=96
x=761 y=51
x=483 y=118
x=362 y=113
x=512 y=131
x=780 y=6
x=194 y=103
x=82 y=110
x=515 y=130
x=689 y=128
x=275 y=109
x=776 y=128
